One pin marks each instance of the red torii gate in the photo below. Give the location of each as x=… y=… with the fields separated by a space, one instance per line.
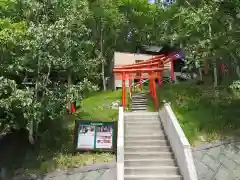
x=153 y=67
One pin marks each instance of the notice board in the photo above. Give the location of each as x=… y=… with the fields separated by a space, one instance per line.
x=95 y=136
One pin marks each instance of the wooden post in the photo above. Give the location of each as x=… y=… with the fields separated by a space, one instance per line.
x=130 y=86
x=155 y=96
x=172 y=70
x=140 y=81
x=123 y=90
x=159 y=77
x=149 y=84
x=159 y=80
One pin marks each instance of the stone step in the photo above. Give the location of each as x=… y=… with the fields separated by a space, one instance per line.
x=142 y=121
x=134 y=119
x=142 y=129
x=152 y=142
x=140 y=94
x=139 y=97
x=139 y=108
x=150 y=162
x=146 y=123
x=139 y=105
x=153 y=177
x=147 y=155
x=144 y=132
x=144 y=137
x=143 y=126
x=145 y=114
x=159 y=134
x=139 y=101
x=147 y=148
x=140 y=115
x=153 y=170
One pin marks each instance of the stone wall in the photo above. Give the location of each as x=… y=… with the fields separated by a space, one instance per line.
x=219 y=161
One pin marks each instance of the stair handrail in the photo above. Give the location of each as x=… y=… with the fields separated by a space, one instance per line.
x=179 y=143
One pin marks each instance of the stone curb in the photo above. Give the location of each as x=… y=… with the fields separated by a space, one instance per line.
x=206 y=145
x=60 y=172
x=88 y=168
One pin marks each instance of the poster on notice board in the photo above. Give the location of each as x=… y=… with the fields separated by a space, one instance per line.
x=94 y=136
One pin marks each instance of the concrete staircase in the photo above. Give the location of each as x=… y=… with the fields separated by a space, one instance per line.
x=147 y=154
x=139 y=102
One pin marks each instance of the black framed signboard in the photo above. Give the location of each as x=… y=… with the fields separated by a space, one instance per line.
x=94 y=136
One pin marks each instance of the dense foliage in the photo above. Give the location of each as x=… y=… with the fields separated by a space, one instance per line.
x=54 y=51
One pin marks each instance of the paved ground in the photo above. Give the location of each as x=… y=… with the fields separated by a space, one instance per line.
x=218 y=161
x=105 y=171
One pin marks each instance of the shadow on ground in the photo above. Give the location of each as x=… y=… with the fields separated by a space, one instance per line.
x=17 y=155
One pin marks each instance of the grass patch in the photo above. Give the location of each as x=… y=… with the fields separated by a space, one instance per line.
x=54 y=151
x=202 y=111
x=98 y=106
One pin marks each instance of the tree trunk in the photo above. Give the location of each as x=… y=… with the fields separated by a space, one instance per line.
x=69 y=86
x=238 y=71
x=215 y=76
x=32 y=123
x=102 y=59
x=200 y=74
x=206 y=67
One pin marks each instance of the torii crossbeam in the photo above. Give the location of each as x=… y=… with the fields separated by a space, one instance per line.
x=152 y=67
